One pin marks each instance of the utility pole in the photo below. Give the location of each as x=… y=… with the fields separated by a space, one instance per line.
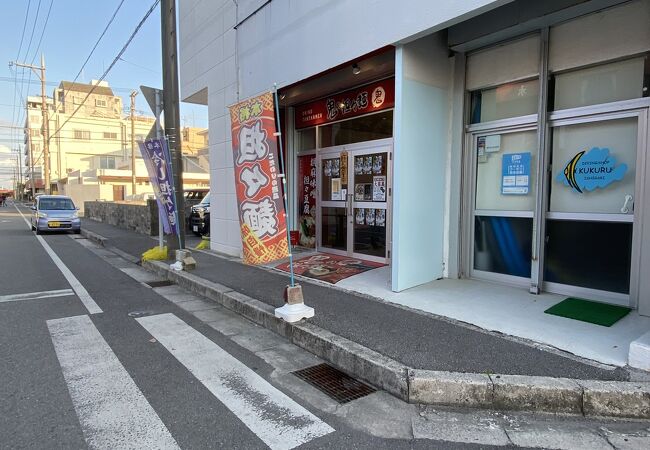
x=133 y=174
x=45 y=126
x=171 y=111
x=19 y=180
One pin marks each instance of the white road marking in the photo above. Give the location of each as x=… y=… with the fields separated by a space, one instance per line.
x=113 y=412
x=276 y=419
x=78 y=288
x=36 y=295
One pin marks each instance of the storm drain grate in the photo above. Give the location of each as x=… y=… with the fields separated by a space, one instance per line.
x=333 y=382
x=158 y=283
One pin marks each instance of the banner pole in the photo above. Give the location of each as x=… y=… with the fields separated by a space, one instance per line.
x=173 y=176
x=284 y=179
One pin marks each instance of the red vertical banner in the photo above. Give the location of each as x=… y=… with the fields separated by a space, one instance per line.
x=262 y=216
x=307 y=200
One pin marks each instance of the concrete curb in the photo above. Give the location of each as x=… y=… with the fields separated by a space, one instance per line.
x=96 y=238
x=494 y=391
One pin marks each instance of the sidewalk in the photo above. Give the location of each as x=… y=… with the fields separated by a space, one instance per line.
x=414 y=355
x=415 y=339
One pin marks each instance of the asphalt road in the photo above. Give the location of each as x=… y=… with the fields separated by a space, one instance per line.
x=91 y=357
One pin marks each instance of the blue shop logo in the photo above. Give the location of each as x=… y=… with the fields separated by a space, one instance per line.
x=591 y=169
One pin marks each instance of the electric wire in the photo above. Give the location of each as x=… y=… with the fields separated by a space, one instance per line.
x=110 y=67
x=110 y=21
x=29 y=46
x=40 y=40
x=20 y=47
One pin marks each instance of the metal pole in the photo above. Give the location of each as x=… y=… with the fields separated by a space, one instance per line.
x=31 y=165
x=284 y=179
x=171 y=108
x=159 y=133
x=45 y=129
x=133 y=173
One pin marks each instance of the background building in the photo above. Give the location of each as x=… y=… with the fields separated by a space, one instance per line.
x=90 y=145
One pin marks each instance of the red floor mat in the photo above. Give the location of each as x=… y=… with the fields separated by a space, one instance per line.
x=329 y=268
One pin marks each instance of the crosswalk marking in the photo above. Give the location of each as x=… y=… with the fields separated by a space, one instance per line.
x=82 y=293
x=36 y=295
x=112 y=411
x=277 y=420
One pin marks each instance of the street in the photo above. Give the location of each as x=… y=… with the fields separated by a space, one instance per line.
x=93 y=357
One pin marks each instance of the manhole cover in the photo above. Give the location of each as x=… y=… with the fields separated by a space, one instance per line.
x=336 y=384
x=158 y=283
x=140 y=313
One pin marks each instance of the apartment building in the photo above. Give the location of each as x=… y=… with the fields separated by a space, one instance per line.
x=90 y=144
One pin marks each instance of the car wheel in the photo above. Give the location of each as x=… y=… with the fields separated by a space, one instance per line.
x=33 y=227
x=38 y=231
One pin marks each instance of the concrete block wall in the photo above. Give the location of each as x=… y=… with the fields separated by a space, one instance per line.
x=139 y=217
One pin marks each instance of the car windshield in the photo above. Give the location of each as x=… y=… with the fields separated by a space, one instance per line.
x=206 y=199
x=55 y=204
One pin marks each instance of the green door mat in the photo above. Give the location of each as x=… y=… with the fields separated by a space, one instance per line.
x=588 y=311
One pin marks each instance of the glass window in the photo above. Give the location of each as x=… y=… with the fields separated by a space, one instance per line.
x=110 y=135
x=370 y=231
x=107 y=162
x=306 y=139
x=574 y=257
x=505 y=171
x=622 y=80
x=505 y=101
x=593 y=167
x=503 y=245
x=361 y=129
x=82 y=134
x=334 y=228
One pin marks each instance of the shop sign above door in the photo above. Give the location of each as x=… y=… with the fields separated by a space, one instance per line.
x=592 y=169
x=370 y=98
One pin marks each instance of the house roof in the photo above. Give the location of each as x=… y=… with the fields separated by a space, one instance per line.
x=85 y=88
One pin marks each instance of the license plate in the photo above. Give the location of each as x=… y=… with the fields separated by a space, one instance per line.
x=195 y=228
x=54 y=224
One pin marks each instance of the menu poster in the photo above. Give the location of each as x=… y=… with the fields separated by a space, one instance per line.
x=335 y=167
x=336 y=189
x=344 y=165
x=360 y=216
x=379 y=189
x=367 y=165
x=358 y=165
x=327 y=169
x=367 y=192
x=370 y=217
x=377 y=164
x=380 y=218
x=359 y=190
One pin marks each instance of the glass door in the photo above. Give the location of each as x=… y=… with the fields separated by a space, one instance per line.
x=504 y=173
x=592 y=187
x=354 y=197
x=333 y=205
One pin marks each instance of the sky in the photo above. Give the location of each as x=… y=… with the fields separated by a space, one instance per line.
x=73 y=27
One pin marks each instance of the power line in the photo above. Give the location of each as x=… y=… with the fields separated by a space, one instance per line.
x=31 y=37
x=128 y=42
x=98 y=40
x=40 y=40
x=20 y=47
x=55 y=84
x=29 y=46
